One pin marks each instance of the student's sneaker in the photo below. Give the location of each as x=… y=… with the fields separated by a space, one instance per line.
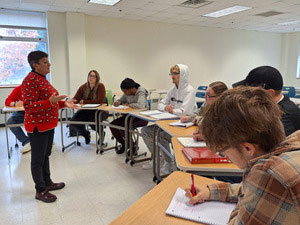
x=26 y=148
x=148 y=165
x=167 y=168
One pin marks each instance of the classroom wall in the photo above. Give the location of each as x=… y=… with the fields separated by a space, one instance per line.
x=146 y=50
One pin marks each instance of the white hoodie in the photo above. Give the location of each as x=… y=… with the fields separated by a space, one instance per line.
x=182 y=98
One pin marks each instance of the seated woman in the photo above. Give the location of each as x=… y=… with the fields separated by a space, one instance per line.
x=134 y=96
x=91 y=92
x=212 y=93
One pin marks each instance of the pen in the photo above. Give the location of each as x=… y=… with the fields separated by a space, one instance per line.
x=193 y=186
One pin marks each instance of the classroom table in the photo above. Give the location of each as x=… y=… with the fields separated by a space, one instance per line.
x=215 y=169
x=150 y=209
x=163 y=125
x=7 y=110
x=67 y=121
x=105 y=108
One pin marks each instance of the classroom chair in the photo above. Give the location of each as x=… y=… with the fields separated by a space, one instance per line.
x=200 y=95
x=289 y=91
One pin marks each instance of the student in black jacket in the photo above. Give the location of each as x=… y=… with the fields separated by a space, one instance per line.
x=270 y=79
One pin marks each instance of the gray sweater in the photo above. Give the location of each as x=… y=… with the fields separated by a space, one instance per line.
x=139 y=100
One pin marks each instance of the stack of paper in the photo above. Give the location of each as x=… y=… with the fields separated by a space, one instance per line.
x=189 y=142
x=160 y=115
x=90 y=105
x=119 y=107
x=180 y=124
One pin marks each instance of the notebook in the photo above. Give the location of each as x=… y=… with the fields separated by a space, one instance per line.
x=151 y=112
x=180 y=124
x=209 y=212
x=119 y=107
x=190 y=142
x=164 y=116
x=90 y=105
x=203 y=155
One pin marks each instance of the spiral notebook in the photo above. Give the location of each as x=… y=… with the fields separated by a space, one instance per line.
x=209 y=212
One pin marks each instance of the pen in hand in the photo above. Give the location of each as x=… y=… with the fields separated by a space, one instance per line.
x=193 y=186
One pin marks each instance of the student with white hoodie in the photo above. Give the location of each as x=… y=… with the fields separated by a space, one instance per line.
x=179 y=100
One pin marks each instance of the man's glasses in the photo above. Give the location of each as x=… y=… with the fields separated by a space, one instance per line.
x=222 y=150
x=173 y=73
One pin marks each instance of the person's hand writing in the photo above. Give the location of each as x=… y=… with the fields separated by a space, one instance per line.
x=184 y=119
x=197 y=135
x=195 y=120
x=19 y=103
x=169 y=108
x=117 y=103
x=54 y=99
x=202 y=194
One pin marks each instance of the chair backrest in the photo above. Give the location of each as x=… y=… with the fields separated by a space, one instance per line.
x=203 y=88
x=289 y=91
x=200 y=94
x=108 y=97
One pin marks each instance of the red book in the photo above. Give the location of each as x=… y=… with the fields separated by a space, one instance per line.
x=203 y=155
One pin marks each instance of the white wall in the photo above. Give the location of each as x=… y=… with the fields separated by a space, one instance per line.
x=146 y=50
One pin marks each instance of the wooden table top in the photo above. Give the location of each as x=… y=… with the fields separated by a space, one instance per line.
x=176 y=131
x=184 y=164
x=151 y=208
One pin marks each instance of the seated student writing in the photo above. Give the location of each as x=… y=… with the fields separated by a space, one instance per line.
x=134 y=96
x=213 y=91
x=252 y=137
x=91 y=92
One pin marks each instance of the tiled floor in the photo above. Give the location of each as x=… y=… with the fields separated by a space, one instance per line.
x=98 y=187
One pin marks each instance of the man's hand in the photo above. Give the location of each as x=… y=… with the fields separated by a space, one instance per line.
x=117 y=103
x=54 y=99
x=202 y=194
x=169 y=108
x=19 y=103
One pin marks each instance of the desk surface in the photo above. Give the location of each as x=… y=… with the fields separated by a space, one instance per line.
x=175 y=131
x=151 y=208
x=124 y=111
x=184 y=164
x=12 y=109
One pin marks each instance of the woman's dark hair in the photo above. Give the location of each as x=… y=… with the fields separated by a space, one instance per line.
x=35 y=56
x=129 y=83
x=218 y=87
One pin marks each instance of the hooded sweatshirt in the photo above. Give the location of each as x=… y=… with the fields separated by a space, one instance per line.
x=182 y=98
x=139 y=100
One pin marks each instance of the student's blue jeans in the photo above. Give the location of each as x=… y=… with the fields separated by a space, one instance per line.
x=18 y=118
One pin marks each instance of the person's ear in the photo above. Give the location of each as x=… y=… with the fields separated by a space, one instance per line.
x=271 y=92
x=248 y=148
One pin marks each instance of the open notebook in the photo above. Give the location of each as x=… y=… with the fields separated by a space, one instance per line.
x=209 y=212
x=90 y=105
x=180 y=124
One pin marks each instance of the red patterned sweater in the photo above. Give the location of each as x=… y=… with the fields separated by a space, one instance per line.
x=39 y=112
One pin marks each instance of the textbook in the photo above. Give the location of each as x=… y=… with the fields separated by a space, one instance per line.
x=203 y=155
x=190 y=142
x=180 y=124
x=209 y=212
x=90 y=105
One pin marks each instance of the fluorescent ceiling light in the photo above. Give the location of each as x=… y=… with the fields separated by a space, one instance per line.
x=289 y=23
x=227 y=11
x=105 y=2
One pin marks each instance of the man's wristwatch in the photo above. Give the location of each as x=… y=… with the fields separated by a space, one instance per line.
x=15 y=104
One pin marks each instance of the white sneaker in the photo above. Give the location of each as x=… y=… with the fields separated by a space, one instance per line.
x=148 y=166
x=167 y=168
x=26 y=148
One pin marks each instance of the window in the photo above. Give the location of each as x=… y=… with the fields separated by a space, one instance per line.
x=20 y=33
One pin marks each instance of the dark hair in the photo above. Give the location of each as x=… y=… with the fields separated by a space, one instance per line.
x=35 y=56
x=128 y=83
x=218 y=87
x=243 y=114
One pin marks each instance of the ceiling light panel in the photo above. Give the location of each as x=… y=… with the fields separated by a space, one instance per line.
x=104 y=2
x=227 y=11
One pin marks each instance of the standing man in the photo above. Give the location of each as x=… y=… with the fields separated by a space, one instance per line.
x=179 y=100
x=270 y=79
x=15 y=99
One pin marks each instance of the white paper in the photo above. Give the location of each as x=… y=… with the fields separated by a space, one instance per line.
x=180 y=124
x=189 y=142
x=119 y=107
x=209 y=212
x=151 y=112
x=164 y=115
x=90 y=106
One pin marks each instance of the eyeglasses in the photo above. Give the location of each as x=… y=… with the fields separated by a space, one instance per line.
x=209 y=96
x=173 y=73
x=222 y=150
x=93 y=76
